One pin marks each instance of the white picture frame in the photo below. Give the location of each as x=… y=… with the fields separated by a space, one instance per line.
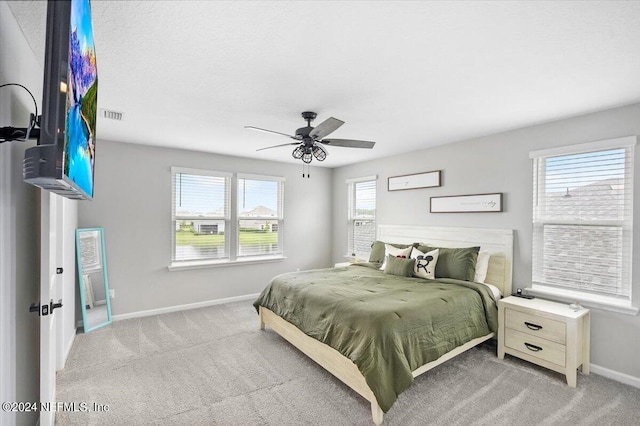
x=473 y=203
x=414 y=181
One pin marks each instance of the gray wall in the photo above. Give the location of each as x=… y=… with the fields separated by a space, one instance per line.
x=19 y=220
x=500 y=163
x=133 y=203
x=20 y=283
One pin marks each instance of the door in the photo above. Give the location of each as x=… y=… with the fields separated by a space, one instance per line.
x=50 y=231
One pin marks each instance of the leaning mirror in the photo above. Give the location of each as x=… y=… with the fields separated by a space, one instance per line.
x=92 y=278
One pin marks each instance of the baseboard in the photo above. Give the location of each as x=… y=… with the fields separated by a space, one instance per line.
x=186 y=307
x=615 y=375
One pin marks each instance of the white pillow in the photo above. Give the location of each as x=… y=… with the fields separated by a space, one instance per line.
x=497 y=294
x=482 y=265
x=425 y=266
x=394 y=251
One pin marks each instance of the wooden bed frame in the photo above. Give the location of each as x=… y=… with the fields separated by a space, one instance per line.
x=499 y=242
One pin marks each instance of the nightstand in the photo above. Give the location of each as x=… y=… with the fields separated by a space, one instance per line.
x=546 y=333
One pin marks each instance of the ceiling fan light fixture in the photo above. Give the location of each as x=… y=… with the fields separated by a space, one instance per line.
x=319 y=152
x=298 y=152
x=308 y=139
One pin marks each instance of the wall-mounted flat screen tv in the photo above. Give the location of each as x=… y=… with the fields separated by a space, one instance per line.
x=64 y=159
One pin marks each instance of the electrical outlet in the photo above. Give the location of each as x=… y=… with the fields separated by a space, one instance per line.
x=112 y=293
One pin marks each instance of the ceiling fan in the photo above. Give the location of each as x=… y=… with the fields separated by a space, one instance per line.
x=309 y=140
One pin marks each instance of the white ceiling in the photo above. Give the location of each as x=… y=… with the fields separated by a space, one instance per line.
x=408 y=75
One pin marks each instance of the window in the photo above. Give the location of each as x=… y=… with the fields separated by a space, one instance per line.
x=260 y=215
x=582 y=221
x=200 y=215
x=207 y=229
x=361 y=216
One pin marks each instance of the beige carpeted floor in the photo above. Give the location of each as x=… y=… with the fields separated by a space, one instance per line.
x=213 y=366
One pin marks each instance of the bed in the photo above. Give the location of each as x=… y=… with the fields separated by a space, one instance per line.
x=371 y=330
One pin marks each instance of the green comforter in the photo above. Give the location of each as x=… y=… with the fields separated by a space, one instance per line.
x=387 y=325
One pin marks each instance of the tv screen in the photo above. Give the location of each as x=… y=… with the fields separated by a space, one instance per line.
x=82 y=95
x=64 y=160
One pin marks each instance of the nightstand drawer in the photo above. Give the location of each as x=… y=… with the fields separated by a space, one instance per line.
x=535 y=346
x=536 y=325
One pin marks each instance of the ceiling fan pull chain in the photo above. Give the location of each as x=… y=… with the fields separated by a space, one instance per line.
x=307 y=175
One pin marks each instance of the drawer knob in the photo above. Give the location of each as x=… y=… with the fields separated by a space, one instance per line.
x=533 y=326
x=533 y=348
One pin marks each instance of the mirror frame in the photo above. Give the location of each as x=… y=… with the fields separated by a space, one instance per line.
x=103 y=259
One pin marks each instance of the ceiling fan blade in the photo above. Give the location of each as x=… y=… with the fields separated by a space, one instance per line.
x=327 y=126
x=276 y=146
x=270 y=131
x=348 y=143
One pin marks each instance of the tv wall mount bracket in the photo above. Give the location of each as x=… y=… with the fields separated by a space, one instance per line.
x=22 y=134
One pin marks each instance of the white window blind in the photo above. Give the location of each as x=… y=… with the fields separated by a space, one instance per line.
x=361 y=216
x=582 y=218
x=200 y=214
x=260 y=215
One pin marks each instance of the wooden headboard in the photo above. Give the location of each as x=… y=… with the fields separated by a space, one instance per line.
x=499 y=243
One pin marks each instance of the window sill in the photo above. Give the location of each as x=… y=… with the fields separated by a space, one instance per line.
x=591 y=301
x=199 y=264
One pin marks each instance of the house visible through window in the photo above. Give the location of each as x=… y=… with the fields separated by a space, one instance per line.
x=361 y=216
x=582 y=221
x=205 y=227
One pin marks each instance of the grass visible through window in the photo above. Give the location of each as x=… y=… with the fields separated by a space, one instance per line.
x=189 y=238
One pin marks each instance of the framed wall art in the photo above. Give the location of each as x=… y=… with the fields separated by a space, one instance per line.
x=474 y=203
x=414 y=181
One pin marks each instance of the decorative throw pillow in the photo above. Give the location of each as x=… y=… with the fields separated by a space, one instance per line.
x=377 y=254
x=482 y=265
x=456 y=263
x=425 y=266
x=395 y=251
x=399 y=266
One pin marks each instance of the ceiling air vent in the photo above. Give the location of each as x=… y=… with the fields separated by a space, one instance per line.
x=111 y=115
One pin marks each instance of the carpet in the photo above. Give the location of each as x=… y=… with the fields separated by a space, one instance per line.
x=213 y=366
